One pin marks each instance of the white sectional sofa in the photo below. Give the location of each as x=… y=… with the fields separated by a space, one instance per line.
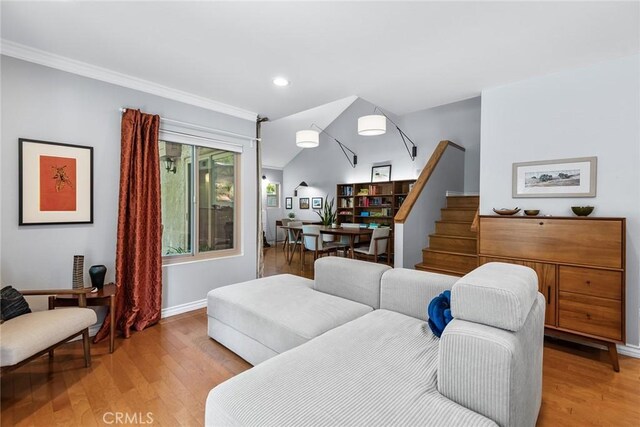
x=353 y=348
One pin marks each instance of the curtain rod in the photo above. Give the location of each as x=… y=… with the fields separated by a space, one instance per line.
x=203 y=128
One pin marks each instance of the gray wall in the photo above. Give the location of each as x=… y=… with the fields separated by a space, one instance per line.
x=592 y=111
x=46 y=104
x=458 y=122
x=272 y=214
x=448 y=176
x=325 y=166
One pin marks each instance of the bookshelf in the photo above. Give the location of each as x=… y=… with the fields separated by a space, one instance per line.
x=368 y=203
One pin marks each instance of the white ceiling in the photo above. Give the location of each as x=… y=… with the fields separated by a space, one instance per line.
x=279 y=136
x=401 y=56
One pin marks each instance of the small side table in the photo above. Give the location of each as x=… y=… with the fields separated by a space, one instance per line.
x=104 y=296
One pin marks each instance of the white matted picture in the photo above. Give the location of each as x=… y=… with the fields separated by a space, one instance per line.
x=55 y=183
x=381 y=173
x=316 y=203
x=555 y=178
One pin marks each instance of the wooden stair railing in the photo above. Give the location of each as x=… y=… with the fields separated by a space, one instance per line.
x=476 y=221
x=412 y=197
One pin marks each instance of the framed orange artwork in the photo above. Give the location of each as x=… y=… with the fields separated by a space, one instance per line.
x=56 y=183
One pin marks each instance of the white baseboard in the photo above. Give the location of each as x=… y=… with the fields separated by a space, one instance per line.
x=183 y=308
x=629 y=350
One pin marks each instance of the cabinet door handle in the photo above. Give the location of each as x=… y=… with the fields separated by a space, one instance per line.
x=548 y=294
x=588 y=316
x=589 y=282
x=542 y=223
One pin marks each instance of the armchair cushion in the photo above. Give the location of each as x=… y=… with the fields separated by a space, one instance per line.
x=26 y=335
x=12 y=303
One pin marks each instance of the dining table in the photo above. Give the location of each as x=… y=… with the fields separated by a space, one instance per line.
x=350 y=232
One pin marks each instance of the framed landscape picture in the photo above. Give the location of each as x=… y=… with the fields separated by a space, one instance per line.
x=55 y=183
x=316 y=203
x=288 y=203
x=555 y=178
x=304 y=203
x=381 y=173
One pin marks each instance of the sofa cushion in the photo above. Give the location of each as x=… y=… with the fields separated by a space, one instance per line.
x=280 y=311
x=351 y=279
x=495 y=294
x=26 y=335
x=409 y=291
x=379 y=369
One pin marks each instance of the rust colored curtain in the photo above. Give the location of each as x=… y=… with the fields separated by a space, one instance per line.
x=139 y=244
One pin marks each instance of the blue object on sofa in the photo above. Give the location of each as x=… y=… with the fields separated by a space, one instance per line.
x=439 y=313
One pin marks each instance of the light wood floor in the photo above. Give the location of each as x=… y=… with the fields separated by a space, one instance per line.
x=168 y=370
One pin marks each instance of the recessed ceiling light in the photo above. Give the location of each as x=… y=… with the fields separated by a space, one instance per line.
x=280 y=81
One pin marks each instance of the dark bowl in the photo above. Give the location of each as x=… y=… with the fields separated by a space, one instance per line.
x=582 y=210
x=531 y=212
x=504 y=211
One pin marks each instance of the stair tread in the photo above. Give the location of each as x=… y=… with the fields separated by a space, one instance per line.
x=452 y=236
x=449 y=252
x=424 y=267
x=455 y=222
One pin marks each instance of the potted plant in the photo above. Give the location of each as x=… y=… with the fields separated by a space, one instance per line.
x=291 y=215
x=328 y=216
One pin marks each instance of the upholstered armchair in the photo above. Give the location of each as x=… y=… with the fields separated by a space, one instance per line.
x=31 y=335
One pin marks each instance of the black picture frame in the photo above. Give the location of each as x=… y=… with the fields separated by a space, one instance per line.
x=288 y=203
x=30 y=212
x=303 y=203
x=316 y=203
x=381 y=173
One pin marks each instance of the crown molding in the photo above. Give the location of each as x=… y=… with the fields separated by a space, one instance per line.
x=37 y=56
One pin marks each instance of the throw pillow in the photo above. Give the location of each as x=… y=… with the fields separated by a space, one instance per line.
x=12 y=303
x=439 y=313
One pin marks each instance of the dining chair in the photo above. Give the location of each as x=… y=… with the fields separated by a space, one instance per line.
x=284 y=222
x=291 y=237
x=312 y=241
x=377 y=247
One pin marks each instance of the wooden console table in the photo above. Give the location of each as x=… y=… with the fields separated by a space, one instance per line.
x=105 y=296
x=580 y=264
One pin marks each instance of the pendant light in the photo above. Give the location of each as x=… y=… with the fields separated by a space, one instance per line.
x=307 y=138
x=372 y=125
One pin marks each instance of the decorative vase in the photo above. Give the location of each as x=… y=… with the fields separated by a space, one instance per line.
x=97 y=273
x=78 y=269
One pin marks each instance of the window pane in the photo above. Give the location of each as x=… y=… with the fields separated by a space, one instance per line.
x=176 y=191
x=216 y=199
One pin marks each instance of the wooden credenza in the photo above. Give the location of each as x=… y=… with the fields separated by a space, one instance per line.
x=580 y=264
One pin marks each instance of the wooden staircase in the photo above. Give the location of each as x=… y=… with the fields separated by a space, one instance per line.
x=453 y=247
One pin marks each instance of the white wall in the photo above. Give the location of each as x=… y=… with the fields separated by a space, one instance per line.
x=592 y=111
x=46 y=104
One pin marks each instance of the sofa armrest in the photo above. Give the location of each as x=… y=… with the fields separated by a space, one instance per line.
x=410 y=291
x=492 y=371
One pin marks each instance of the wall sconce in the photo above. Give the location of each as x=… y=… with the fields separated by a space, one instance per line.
x=311 y=138
x=376 y=125
x=302 y=184
x=170 y=164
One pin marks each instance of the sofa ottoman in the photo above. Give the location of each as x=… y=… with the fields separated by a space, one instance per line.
x=261 y=318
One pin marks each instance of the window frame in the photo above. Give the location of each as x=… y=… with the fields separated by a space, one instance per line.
x=277 y=196
x=195 y=254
